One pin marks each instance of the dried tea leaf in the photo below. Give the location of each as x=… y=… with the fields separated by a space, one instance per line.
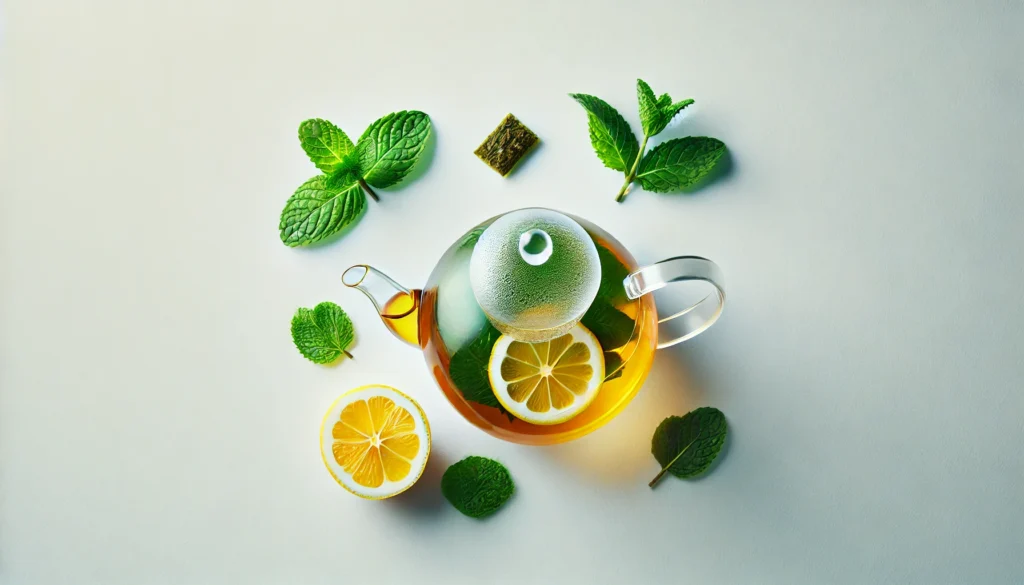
x=507 y=145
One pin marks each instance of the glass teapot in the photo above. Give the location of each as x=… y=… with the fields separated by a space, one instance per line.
x=538 y=325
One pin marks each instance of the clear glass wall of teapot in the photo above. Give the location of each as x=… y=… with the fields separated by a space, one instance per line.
x=522 y=287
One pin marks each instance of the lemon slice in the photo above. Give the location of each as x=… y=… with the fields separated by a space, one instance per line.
x=548 y=382
x=375 y=441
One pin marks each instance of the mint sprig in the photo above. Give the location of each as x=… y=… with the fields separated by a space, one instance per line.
x=384 y=155
x=673 y=166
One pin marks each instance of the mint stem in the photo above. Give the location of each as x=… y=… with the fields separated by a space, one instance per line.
x=369 y=191
x=350 y=356
x=625 y=187
x=658 y=477
x=661 y=473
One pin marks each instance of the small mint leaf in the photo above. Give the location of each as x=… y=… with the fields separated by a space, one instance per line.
x=679 y=164
x=670 y=111
x=468 y=368
x=686 y=445
x=323 y=333
x=613 y=275
x=664 y=101
x=650 y=113
x=319 y=208
x=477 y=486
x=610 y=326
x=612 y=138
x=325 y=143
x=470 y=239
x=390 y=147
x=612 y=365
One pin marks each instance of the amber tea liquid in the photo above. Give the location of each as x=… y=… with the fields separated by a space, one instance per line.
x=444 y=318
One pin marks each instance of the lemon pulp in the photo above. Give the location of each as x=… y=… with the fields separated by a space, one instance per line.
x=550 y=381
x=375 y=441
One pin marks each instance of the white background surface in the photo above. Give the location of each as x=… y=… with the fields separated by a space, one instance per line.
x=157 y=426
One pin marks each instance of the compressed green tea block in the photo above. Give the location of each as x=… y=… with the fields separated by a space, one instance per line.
x=507 y=145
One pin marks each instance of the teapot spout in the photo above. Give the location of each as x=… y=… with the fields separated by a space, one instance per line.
x=397 y=306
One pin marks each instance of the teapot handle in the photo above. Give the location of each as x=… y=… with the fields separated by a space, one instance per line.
x=698 y=316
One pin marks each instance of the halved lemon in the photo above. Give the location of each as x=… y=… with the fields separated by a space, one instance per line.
x=375 y=441
x=548 y=382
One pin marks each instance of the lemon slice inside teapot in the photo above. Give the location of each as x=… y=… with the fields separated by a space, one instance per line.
x=535 y=272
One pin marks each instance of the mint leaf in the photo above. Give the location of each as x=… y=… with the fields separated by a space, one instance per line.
x=469 y=240
x=612 y=138
x=650 y=111
x=669 y=111
x=320 y=208
x=612 y=365
x=477 y=486
x=613 y=273
x=389 y=148
x=655 y=114
x=468 y=368
x=322 y=333
x=610 y=326
x=686 y=445
x=679 y=164
x=325 y=143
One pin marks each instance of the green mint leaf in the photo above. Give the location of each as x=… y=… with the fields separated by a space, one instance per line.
x=469 y=240
x=389 y=148
x=686 y=445
x=325 y=143
x=468 y=368
x=477 y=486
x=655 y=114
x=610 y=326
x=612 y=138
x=669 y=111
x=679 y=164
x=320 y=208
x=650 y=112
x=506 y=145
x=322 y=333
x=612 y=365
x=613 y=273
x=348 y=165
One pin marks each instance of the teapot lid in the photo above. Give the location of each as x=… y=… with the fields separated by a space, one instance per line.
x=535 y=272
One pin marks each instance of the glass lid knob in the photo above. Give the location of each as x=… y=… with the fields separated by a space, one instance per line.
x=535 y=272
